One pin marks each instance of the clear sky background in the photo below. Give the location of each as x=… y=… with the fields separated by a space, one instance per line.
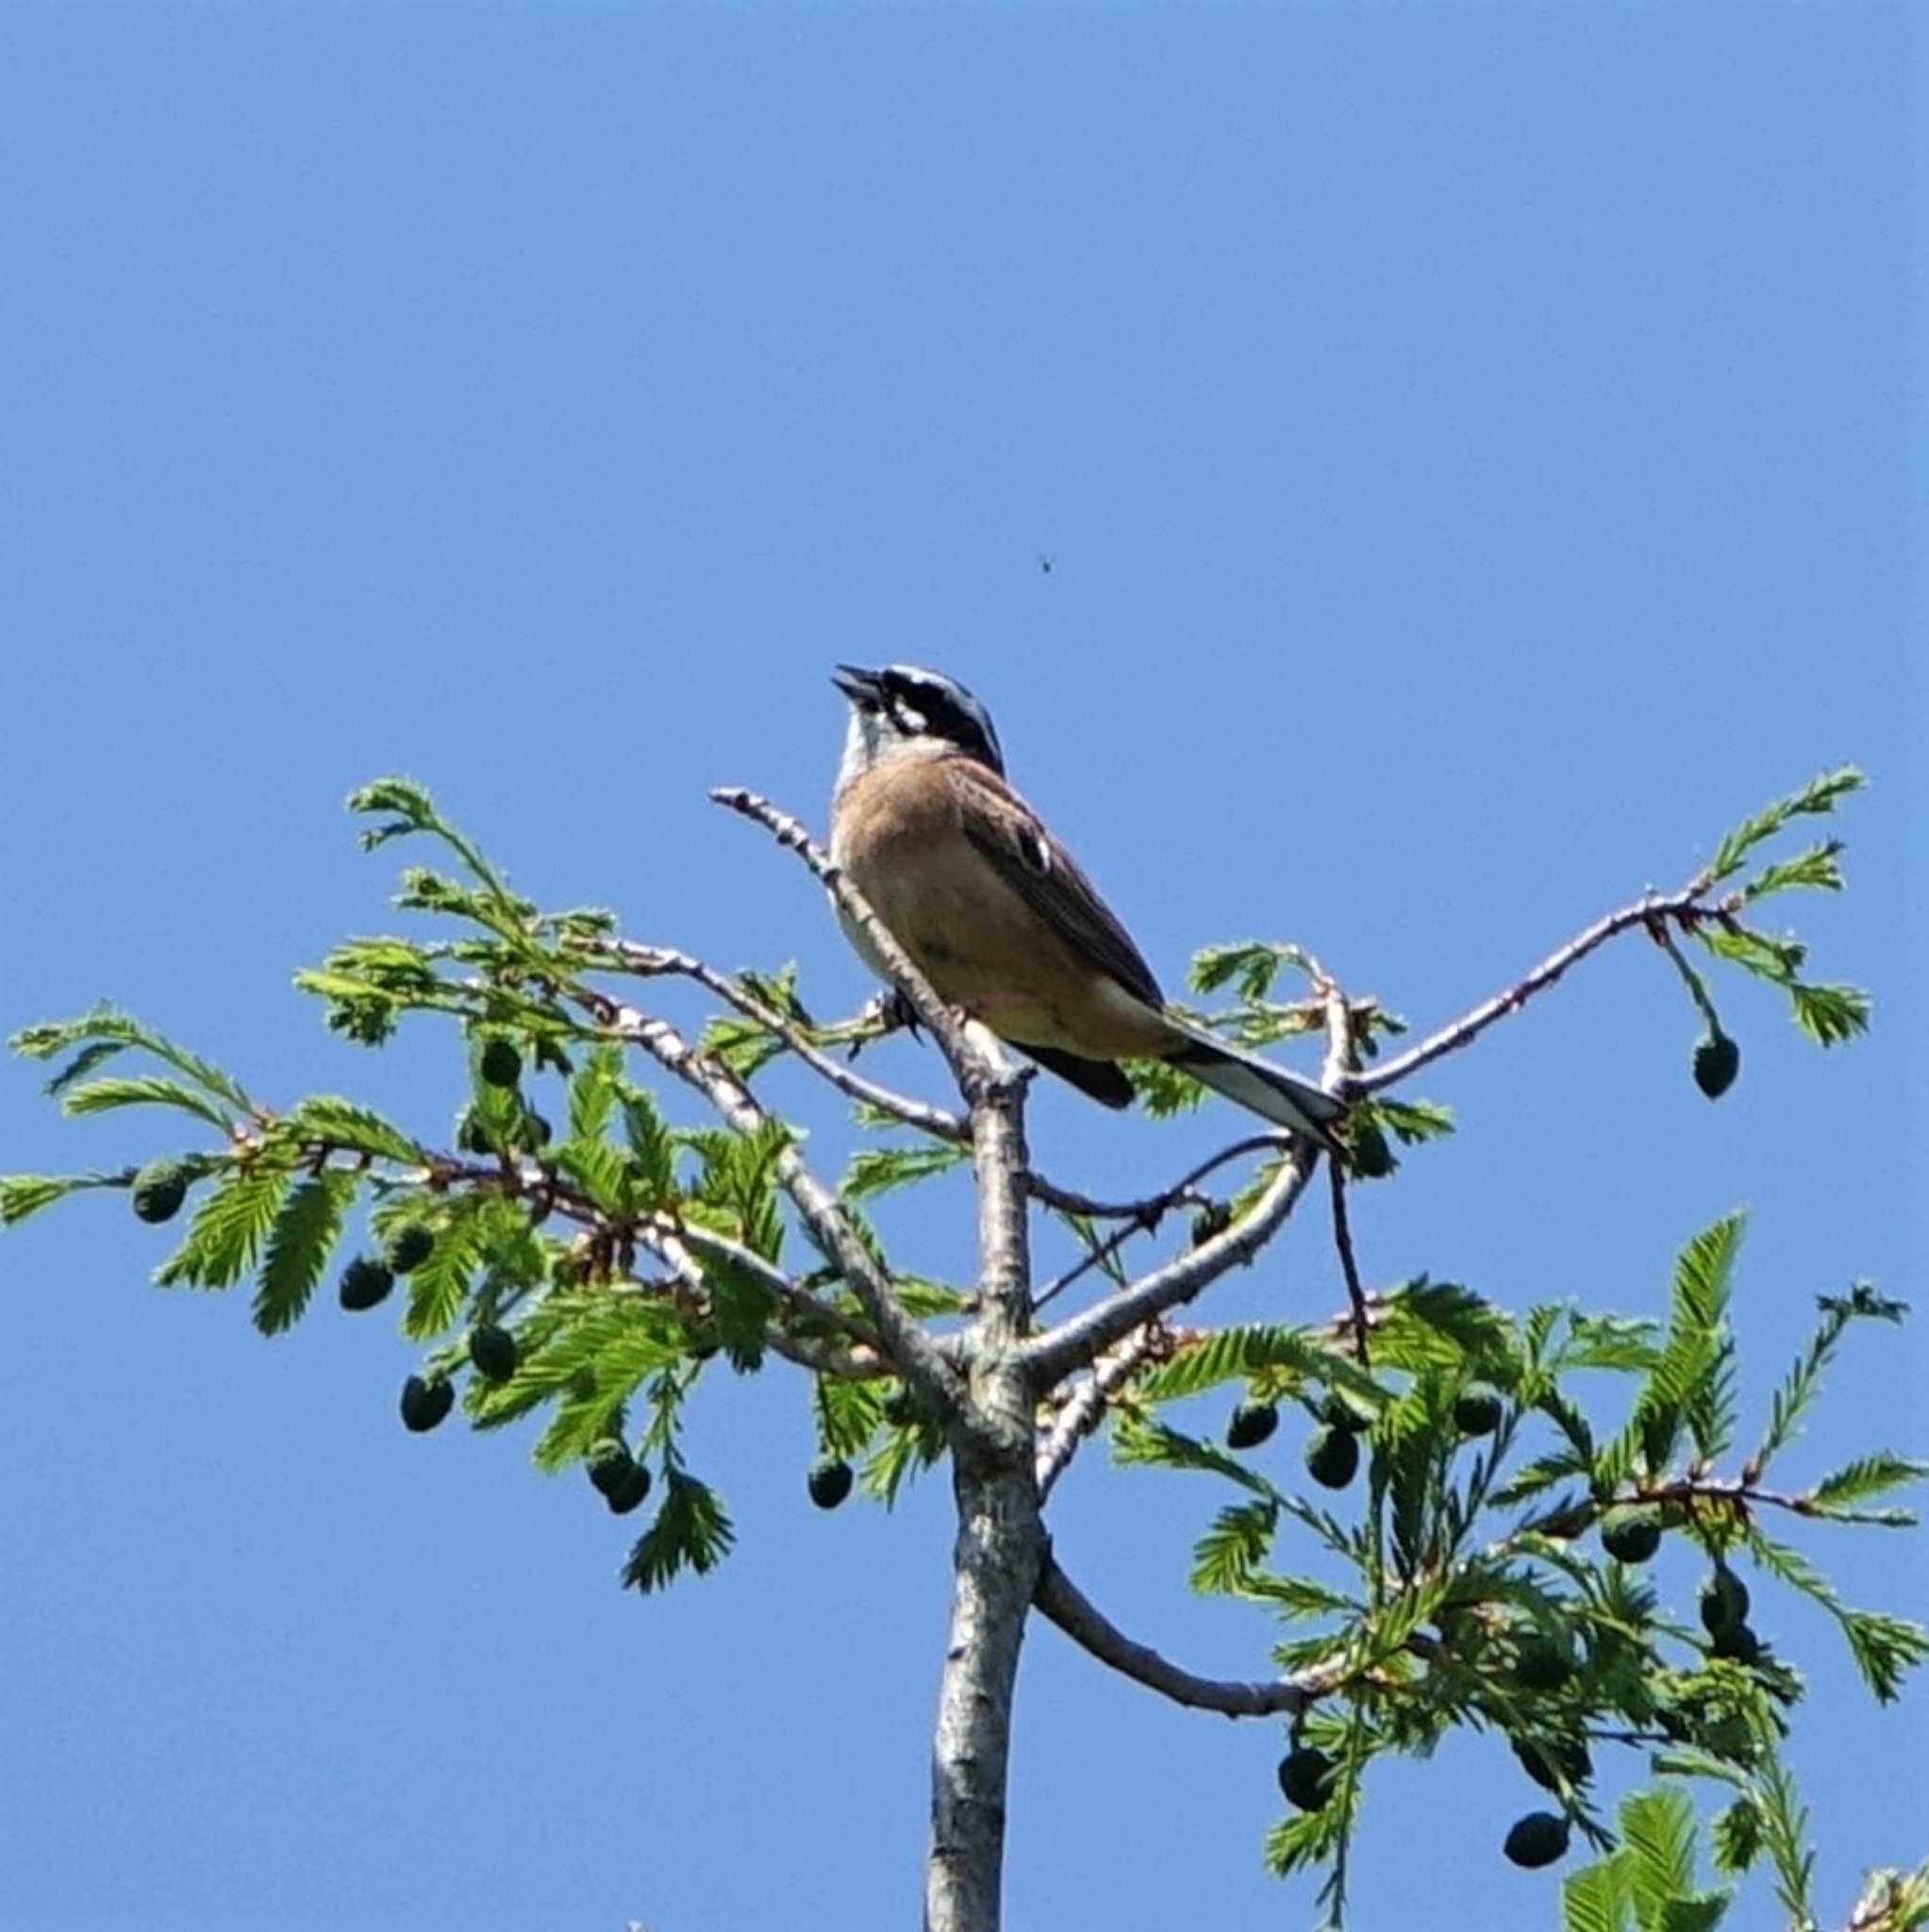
x=1472 y=444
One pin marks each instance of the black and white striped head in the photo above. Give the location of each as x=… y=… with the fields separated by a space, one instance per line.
x=905 y=708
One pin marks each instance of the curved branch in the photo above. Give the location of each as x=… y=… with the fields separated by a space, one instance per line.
x=650 y=961
x=1074 y=1613
x=1450 y=1039
x=1074 y=1343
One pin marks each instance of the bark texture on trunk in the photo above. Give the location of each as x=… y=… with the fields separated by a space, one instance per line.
x=1001 y=1544
x=998 y=1554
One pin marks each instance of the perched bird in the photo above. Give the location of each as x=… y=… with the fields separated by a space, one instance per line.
x=996 y=913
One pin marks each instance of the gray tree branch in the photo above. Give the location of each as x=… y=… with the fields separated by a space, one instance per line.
x=1450 y=1039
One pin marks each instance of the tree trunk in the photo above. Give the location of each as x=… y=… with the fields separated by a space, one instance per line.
x=995 y=1568
x=999 y=1543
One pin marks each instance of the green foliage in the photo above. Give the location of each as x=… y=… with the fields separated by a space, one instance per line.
x=306 y=1226
x=1815 y=799
x=878 y=1170
x=104 y=1030
x=22 y=1194
x=1452 y=1619
x=1648 y=1885
x=691 y=1531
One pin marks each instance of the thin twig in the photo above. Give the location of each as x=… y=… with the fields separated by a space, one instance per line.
x=1341 y=1062
x=1142 y=1217
x=1080 y=1414
x=1051 y=1357
x=650 y=961
x=1470 y=1026
x=1349 y=1267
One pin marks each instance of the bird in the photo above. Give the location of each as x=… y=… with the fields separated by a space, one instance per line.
x=999 y=917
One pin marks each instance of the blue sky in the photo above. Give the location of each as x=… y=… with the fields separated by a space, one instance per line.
x=1472 y=446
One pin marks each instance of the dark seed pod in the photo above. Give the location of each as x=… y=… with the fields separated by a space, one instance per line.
x=500 y=1064
x=159 y=1189
x=1252 y=1422
x=533 y=1131
x=1305 y=1776
x=1717 y=1061
x=1541 y=1663
x=425 y=1404
x=1340 y=1412
x=1630 y=1535
x=1332 y=1457
x=626 y=1494
x=1536 y=1839
x=1371 y=1158
x=410 y=1246
x=1725 y=1602
x=472 y=1135
x=1736 y=1642
x=1567 y=1753
x=829 y=1482
x=1477 y=1412
x=364 y=1282
x=610 y=1463
x=493 y=1352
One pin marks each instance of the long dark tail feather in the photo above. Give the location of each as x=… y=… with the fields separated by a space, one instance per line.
x=1272 y=1092
x=1104 y=1082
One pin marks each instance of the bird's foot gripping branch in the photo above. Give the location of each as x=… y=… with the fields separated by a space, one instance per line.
x=1454 y=1536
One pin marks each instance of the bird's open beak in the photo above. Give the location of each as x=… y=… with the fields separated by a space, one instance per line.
x=861 y=687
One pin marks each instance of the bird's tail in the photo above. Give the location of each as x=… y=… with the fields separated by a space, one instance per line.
x=1285 y=1099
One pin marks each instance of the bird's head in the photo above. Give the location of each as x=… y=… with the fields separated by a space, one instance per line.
x=905 y=708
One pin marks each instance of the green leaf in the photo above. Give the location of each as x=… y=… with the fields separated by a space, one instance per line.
x=106 y=1024
x=1441 y=1324
x=690 y=1531
x=1867 y=1475
x=1143 y=1443
x=84 y=1063
x=1414 y=1121
x=142 y=1089
x=1236 y=1545
x=1599 y=1897
x=1830 y=1014
x=1163 y=1089
x=1658 y=1829
x=878 y=1170
x=740 y=1308
x=848 y=1415
x=1814 y=868
x=1223 y=1355
x=1817 y=798
x=22 y=1194
x=651 y=1145
x=1799 y=1387
x=1884 y=1648
x=1736 y=1837
x=227 y=1230
x=348 y=1124
x=594 y=1094
x=304 y=1232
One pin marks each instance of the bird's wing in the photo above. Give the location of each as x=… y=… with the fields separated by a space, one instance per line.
x=1008 y=832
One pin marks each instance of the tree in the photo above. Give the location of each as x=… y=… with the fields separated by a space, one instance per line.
x=1485 y=1573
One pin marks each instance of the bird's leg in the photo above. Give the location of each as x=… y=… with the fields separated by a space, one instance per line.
x=883 y=1014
